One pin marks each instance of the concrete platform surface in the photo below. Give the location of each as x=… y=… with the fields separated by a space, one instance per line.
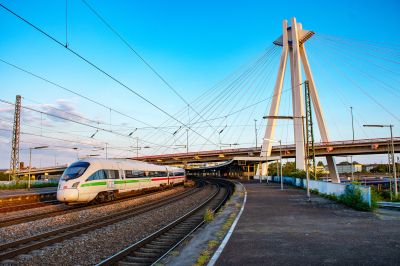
x=21 y=192
x=278 y=227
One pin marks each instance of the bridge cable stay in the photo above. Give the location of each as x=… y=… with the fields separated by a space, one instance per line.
x=341 y=54
x=330 y=82
x=375 y=48
x=228 y=100
x=358 y=71
x=241 y=76
x=205 y=95
x=359 y=87
x=340 y=37
x=262 y=85
x=232 y=96
x=144 y=61
x=119 y=82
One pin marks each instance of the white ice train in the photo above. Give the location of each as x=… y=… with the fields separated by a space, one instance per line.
x=99 y=180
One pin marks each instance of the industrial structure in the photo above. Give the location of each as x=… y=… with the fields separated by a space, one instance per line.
x=14 y=162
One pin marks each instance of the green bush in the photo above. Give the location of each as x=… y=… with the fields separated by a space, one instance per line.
x=4 y=176
x=354 y=199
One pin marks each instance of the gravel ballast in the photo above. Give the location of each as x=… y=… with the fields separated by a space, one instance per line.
x=95 y=246
x=23 y=230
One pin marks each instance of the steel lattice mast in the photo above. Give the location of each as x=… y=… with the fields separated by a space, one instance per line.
x=14 y=163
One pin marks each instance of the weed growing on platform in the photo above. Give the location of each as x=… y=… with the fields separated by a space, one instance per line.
x=212 y=243
x=209 y=216
x=238 y=204
x=353 y=198
x=174 y=253
x=292 y=232
x=219 y=234
x=317 y=232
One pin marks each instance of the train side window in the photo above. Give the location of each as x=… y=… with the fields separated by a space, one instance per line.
x=96 y=176
x=141 y=173
x=129 y=174
x=113 y=174
x=163 y=174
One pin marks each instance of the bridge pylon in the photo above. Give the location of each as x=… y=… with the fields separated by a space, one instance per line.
x=292 y=42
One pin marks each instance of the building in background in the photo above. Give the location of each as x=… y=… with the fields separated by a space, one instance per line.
x=346 y=168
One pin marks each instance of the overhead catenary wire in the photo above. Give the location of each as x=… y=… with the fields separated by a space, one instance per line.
x=102 y=71
x=119 y=36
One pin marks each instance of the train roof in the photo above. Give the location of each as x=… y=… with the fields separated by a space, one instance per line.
x=124 y=162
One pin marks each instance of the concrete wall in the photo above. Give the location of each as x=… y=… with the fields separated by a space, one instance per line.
x=322 y=186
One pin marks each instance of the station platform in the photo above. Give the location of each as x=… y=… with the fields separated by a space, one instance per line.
x=23 y=196
x=279 y=227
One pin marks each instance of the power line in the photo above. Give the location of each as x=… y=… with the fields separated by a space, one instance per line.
x=143 y=60
x=87 y=61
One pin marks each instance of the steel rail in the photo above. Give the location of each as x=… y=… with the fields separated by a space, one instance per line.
x=167 y=238
x=87 y=226
x=78 y=207
x=28 y=206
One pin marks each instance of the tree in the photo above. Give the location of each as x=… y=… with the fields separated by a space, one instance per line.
x=345 y=162
x=320 y=163
x=4 y=176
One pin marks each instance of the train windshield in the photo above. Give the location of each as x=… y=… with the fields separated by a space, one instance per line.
x=75 y=170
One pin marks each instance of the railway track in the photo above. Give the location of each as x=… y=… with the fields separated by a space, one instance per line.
x=73 y=208
x=28 y=206
x=22 y=246
x=156 y=246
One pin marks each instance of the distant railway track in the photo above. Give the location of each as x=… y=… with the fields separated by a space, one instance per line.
x=154 y=247
x=73 y=208
x=22 y=246
x=28 y=206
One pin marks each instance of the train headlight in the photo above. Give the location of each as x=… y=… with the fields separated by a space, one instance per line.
x=75 y=185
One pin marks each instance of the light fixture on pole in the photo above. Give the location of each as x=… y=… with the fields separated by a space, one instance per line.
x=77 y=158
x=280 y=155
x=132 y=132
x=94 y=134
x=393 y=159
x=30 y=161
x=305 y=150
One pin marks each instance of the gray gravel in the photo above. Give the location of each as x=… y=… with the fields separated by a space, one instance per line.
x=91 y=248
x=16 y=214
x=24 y=230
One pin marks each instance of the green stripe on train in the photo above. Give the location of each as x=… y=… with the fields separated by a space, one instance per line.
x=126 y=181
x=94 y=184
x=145 y=180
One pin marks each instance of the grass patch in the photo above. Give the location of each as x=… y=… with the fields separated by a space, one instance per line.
x=219 y=234
x=317 y=232
x=174 y=253
x=192 y=235
x=292 y=232
x=212 y=243
x=209 y=216
x=261 y=232
x=238 y=204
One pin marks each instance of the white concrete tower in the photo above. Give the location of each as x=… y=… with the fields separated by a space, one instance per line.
x=292 y=42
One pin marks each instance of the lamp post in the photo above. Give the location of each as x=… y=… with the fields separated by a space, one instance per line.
x=305 y=150
x=255 y=130
x=393 y=159
x=280 y=155
x=77 y=158
x=30 y=161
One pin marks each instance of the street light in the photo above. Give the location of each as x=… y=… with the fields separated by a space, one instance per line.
x=393 y=159
x=255 y=129
x=77 y=158
x=305 y=150
x=280 y=153
x=30 y=161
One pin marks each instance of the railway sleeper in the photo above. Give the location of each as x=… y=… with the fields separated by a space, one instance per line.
x=148 y=254
x=154 y=250
x=123 y=263
x=158 y=246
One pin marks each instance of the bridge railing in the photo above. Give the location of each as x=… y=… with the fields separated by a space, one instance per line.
x=257 y=149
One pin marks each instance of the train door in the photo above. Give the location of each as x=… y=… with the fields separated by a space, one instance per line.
x=120 y=184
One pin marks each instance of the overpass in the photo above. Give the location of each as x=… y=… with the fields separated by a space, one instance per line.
x=335 y=148
x=52 y=170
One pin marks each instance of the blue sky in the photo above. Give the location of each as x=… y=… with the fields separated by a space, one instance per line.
x=192 y=45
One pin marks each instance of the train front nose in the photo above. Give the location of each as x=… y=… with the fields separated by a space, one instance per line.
x=67 y=195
